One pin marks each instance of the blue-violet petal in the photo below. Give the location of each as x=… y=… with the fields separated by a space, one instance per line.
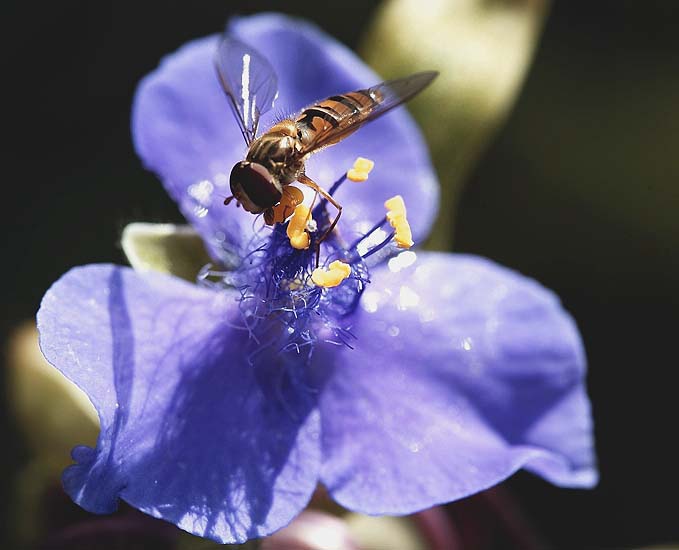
x=188 y=434
x=463 y=373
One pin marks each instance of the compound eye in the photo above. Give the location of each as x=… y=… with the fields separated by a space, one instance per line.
x=254 y=187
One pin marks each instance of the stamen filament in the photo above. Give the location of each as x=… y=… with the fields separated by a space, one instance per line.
x=374 y=228
x=336 y=185
x=380 y=246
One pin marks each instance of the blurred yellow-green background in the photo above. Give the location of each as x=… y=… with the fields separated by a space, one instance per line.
x=555 y=131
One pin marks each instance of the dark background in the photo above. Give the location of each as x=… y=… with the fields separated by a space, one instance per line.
x=578 y=189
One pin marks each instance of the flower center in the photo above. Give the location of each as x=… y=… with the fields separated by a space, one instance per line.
x=287 y=300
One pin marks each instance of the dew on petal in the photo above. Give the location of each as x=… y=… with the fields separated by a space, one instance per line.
x=201 y=193
x=370 y=301
x=407 y=298
x=401 y=261
x=427 y=315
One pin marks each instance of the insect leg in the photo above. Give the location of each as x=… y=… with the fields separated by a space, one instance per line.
x=313 y=202
x=304 y=179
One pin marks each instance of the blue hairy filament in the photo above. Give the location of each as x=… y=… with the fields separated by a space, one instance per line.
x=280 y=308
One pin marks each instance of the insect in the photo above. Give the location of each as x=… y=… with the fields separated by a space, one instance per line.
x=277 y=158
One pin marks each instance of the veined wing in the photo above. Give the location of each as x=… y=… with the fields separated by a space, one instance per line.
x=336 y=117
x=249 y=81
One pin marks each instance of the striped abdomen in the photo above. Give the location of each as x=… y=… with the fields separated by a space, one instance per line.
x=334 y=118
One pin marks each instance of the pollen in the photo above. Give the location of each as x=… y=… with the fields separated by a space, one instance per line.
x=359 y=172
x=337 y=271
x=286 y=207
x=396 y=216
x=296 y=231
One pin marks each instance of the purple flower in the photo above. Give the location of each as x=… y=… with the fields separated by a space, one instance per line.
x=419 y=380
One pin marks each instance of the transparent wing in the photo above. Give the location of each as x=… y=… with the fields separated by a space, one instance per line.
x=364 y=106
x=249 y=81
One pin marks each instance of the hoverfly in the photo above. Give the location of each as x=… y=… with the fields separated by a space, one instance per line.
x=276 y=158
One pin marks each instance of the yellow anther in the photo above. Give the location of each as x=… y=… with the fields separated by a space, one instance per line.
x=396 y=215
x=360 y=170
x=336 y=273
x=299 y=238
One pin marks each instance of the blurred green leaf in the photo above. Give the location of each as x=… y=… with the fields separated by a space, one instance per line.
x=52 y=413
x=482 y=49
x=385 y=532
x=53 y=416
x=168 y=248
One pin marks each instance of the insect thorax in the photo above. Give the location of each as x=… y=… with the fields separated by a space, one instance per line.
x=277 y=151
